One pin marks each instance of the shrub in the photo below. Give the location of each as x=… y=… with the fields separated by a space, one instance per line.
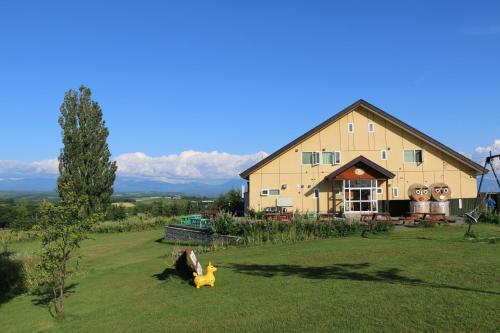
x=134 y=223
x=259 y=232
x=490 y=217
x=223 y=224
x=12 y=277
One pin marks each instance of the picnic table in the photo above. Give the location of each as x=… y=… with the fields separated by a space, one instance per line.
x=278 y=216
x=326 y=216
x=375 y=216
x=429 y=217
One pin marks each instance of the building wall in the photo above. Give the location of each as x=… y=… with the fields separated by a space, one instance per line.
x=301 y=180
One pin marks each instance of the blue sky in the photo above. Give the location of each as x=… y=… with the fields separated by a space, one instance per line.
x=243 y=77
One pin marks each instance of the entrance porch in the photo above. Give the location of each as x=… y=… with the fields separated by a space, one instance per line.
x=358 y=185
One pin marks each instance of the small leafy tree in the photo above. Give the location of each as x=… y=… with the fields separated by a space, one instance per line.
x=231 y=202
x=62 y=228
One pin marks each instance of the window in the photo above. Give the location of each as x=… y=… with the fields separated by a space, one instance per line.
x=327 y=157
x=371 y=127
x=380 y=190
x=316 y=193
x=331 y=157
x=383 y=154
x=336 y=159
x=419 y=156
x=350 y=128
x=274 y=192
x=264 y=192
x=395 y=192
x=414 y=156
x=360 y=195
x=310 y=157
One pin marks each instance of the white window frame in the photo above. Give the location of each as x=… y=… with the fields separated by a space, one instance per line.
x=414 y=155
x=264 y=192
x=323 y=160
x=346 y=202
x=350 y=127
x=395 y=192
x=316 y=193
x=335 y=162
x=318 y=160
x=383 y=155
x=335 y=154
x=372 y=127
x=313 y=162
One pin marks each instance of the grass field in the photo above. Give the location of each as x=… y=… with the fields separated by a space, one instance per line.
x=410 y=280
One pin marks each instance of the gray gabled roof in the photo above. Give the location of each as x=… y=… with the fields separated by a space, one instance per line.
x=424 y=137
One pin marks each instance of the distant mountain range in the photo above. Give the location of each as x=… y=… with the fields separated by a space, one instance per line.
x=47 y=183
x=125 y=185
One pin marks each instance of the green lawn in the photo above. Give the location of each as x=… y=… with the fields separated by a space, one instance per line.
x=410 y=280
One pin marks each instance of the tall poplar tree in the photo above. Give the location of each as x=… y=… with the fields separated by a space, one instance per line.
x=85 y=168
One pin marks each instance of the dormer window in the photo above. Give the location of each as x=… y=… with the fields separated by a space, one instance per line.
x=371 y=127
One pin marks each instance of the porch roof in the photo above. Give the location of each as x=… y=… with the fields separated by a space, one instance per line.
x=371 y=170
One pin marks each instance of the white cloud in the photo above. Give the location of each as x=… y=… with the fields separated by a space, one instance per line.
x=480 y=154
x=176 y=168
x=14 y=168
x=186 y=166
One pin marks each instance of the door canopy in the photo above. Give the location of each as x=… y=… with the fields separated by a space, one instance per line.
x=360 y=168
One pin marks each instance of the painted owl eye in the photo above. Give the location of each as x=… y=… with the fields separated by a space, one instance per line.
x=438 y=190
x=445 y=190
x=425 y=191
x=418 y=192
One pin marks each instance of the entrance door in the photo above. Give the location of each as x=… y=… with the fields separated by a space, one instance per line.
x=337 y=199
x=360 y=196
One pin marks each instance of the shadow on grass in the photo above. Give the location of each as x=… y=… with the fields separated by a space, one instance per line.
x=345 y=272
x=43 y=296
x=12 y=277
x=181 y=270
x=171 y=272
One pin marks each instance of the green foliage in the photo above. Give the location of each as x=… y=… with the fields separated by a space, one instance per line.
x=19 y=216
x=164 y=207
x=490 y=217
x=133 y=223
x=8 y=236
x=62 y=228
x=12 y=277
x=377 y=226
x=231 y=202
x=116 y=213
x=224 y=224
x=260 y=232
x=255 y=215
x=85 y=169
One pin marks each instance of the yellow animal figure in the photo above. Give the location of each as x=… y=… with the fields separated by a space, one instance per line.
x=207 y=279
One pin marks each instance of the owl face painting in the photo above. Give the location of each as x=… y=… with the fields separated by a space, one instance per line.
x=440 y=192
x=419 y=192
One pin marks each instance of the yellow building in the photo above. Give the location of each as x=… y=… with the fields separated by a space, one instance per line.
x=360 y=160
